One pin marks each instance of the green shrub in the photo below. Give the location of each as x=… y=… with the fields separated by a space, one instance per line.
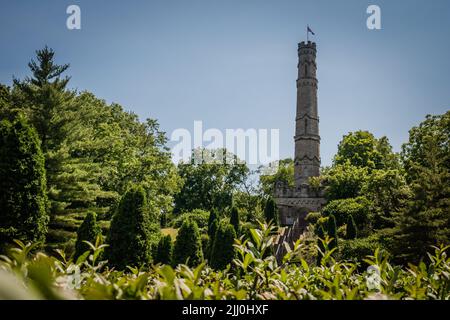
x=271 y=212
x=352 y=230
x=188 y=246
x=359 y=208
x=223 y=251
x=358 y=249
x=132 y=233
x=332 y=231
x=312 y=217
x=23 y=200
x=164 y=250
x=234 y=219
x=200 y=217
x=89 y=230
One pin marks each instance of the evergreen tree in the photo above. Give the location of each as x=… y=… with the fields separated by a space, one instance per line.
x=234 y=220
x=212 y=235
x=332 y=231
x=212 y=218
x=352 y=231
x=131 y=231
x=23 y=201
x=425 y=221
x=89 y=230
x=320 y=236
x=188 y=245
x=164 y=250
x=223 y=250
x=271 y=212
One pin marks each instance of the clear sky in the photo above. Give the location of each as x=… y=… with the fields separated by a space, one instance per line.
x=232 y=63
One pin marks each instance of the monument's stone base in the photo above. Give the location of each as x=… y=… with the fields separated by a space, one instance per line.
x=294 y=204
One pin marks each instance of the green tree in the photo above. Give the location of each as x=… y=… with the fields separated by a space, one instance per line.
x=188 y=245
x=284 y=175
x=164 y=250
x=23 y=200
x=212 y=218
x=425 y=221
x=352 y=230
x=344 y=181
x=132 y=233
x=332 y=231
x=223 y=251
x=361 y=149
x=234 y=220
x=89 y=230
x=271 y=212
x=358 y=208
x=210 y=179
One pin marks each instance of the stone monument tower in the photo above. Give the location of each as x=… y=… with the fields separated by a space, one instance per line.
x=295 y=203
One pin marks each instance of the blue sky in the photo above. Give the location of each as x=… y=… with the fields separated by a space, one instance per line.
x=232 y=63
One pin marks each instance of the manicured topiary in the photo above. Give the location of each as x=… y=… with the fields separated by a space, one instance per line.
x=188 y=246
x=234 y=220
x=131 y=231
x=164 y=250
x=352 y=231
x=23 y=200
x=89 y=230
x=223 y=251
x=271 y=212
x=332 y=231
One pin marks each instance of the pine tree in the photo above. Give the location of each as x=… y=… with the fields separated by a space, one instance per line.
x=164 y=250
x=223 y=250
x=89 y=230
x=188 y=245
x=352 y=231
x=425 y=221
x=271 y=212
x=234 y=220
x=131 y=231
x=23 y=200
x=332 y=231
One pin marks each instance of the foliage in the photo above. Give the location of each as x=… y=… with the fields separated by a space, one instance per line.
x=284 y=175
x=361 y=149
x=344 y=181
x=23 y=199
x=234 y=220
x=93 y=151
x=332 y=231
x=312 y=217
x=351 y=228
x=133 y=231
x=210 y=179
x=88 y=231
x=425 y=220
x=164 y=250
x=188 y=246
x=223 y=251
x=271 y=211
x=359 y=208
x=256 y=275
x=357 y=249
x=201 y=217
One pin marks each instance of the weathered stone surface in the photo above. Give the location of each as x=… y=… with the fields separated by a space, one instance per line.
x=295 y=203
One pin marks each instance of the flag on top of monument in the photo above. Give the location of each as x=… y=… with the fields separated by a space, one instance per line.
x=309 y=30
